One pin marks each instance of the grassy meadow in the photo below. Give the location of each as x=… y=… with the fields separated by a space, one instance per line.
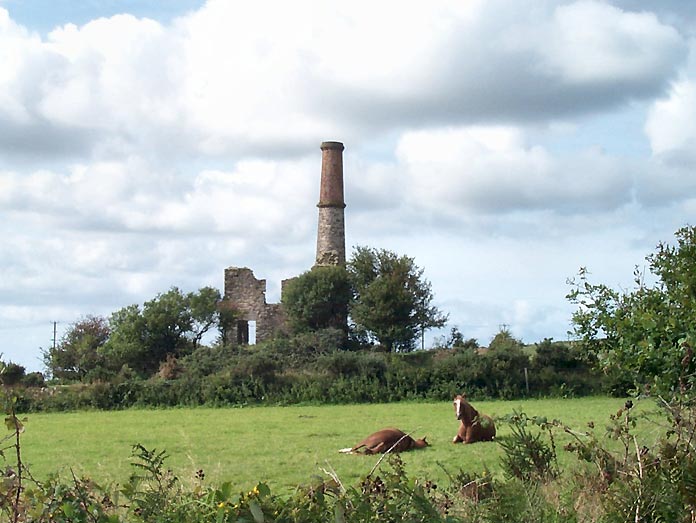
x=283 y=446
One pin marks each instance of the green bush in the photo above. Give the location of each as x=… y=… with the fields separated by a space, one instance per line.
x=644 y=336
x=34 y=379
x=528 y=456
x=339 y=364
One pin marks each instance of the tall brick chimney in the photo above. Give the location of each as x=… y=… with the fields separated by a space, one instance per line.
x=331 y=232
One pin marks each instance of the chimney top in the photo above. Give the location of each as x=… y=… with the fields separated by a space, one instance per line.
x=332 y=145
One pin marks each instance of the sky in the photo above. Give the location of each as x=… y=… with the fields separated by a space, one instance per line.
x=502 y=144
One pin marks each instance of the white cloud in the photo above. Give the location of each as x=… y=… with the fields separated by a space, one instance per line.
x=118 y=73
x=262 y=199
x=470 y=170
x=17 y=46
x=231 y=78
x=592 y=42
x=671 y=125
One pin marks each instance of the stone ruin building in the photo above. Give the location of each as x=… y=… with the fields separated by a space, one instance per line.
x=247 y=295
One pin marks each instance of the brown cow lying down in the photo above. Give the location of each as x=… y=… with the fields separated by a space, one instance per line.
x=383 y=440
x=474 y=427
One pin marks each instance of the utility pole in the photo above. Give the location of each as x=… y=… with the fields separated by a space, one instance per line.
x=55 y=323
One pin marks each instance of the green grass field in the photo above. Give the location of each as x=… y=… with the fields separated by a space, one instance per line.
x=283 y=446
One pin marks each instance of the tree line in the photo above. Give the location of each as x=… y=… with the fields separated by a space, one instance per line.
x=378 y=298
x=640 y=339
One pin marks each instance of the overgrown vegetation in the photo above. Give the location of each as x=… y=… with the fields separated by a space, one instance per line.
x=644 y=337
x=380 y=298
x=352 y=338
x=308 y=368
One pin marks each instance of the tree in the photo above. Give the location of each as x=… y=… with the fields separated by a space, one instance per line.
x=206 y=314
x=77 y=353
x=318 y=299
x=504 y=363
x=12 y=374
x=391 y=299
x=128 y=344
x=504 y=340
x=172 y=324
x=455 y=340
x=645 y=336
x=558 y=356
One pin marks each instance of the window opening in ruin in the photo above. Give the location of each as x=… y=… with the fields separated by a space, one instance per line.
x=242 y=332
x=251 y=333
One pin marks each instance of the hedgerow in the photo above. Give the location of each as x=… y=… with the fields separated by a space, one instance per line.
x=290 y=372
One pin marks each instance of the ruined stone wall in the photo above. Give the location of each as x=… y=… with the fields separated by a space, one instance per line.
x=247 y=296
